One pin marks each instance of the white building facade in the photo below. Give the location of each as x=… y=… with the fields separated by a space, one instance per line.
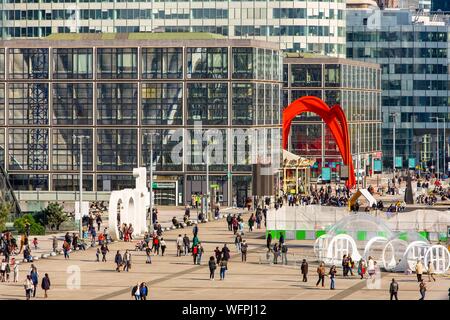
x=301 y=25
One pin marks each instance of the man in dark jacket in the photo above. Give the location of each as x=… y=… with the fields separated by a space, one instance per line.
x=304 y=269
x=269 y=241
x=225 y=252
x=186 y=244
x=118 y=260
x=393 y=289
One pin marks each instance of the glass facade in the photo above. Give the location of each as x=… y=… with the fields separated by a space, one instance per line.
x=415 y=80
x=175 y=100
x=353 y=86
x=312 y=25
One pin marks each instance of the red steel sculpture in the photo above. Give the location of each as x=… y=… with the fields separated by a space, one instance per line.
x=335 y=119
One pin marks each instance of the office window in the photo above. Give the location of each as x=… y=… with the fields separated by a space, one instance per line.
x=116 y=149
x=28 y=63
x=244 y=103
x=71 y=182
x=164 y=146
x=72 y=103
x=208 y=103
x=244 y=60
x=162 y=63
x=207 y=63
x=162 y=103
x=117 y=63
x=66 y=150
x=306 y=75
x=116 y=103
x=28 y=149
x=28 y=103
x=72 y=63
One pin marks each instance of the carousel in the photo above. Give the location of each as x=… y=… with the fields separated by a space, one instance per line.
x=296 y=173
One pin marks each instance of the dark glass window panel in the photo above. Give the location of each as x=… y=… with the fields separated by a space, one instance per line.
x=72 y=63
x=71 y=182
x=162 y=63
x=72 y=103
x=164 y=145
x=116 y=149
x=28 y=63
x=28 y=149
x=28 y=103
x=162 y=103
x=208 y=103
x=117 y=63
x=116 y=103
x=306 y=75
x=244 y=63
x=244 y=103
x=205 y=63
x=66 y=150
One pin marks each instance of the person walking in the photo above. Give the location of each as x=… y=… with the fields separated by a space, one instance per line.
x=45 y=285
x=251 y=222
x=143 y=291
x=148 y=254
x=237 y=242
x=135 y=292
x=195 y=253
x=179 y=245
x=284 y=250
x=104 y=250
x=244 y=247
x=269 y=241
x=332 y=277
x=54 y=244
x=422 y=289
x=225 y=252
x=212 y=267
x=163 y=246
x=344 y=265
x=186 y=244
x=126 y=261
x=393 y=289
x=34 y=278
x=195 y=230
x=66 y=249
x=304 y=269
x=419 y=270
x=200 y=252
x=218 y=254
x=28 y=285
x=97 y=255
x=118 y=260
x=430 y=271
x=223 y=268
x=361 y=268
x=321 y=274
x=16 y=271
x=275 y=253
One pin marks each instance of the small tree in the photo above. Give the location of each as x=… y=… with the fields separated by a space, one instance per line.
x=5 y=210
x=55 y=215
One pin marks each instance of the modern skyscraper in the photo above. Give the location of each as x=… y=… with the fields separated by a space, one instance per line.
x=414 y=59
x=443 y=5
x=312 y=25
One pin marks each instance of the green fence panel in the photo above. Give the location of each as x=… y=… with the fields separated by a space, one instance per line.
x=300 y=235
x=361 y=235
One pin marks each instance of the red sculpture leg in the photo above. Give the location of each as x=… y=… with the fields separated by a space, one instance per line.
x=334 y=118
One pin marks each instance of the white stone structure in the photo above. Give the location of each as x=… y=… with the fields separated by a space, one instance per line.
x=130 y=206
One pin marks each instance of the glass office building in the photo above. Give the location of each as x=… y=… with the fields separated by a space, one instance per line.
x=128 y=91
x=353 y=85
x=301 y=25
x=414 y=59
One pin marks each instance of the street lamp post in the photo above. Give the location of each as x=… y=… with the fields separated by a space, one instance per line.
x=394 y=116
x=358 y=161
x=150 y=134
x=80 y=139
x=437 y=145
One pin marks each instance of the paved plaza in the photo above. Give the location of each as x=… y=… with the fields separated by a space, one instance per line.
x=172 y=277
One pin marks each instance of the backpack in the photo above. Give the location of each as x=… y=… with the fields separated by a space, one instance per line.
x=195 y=250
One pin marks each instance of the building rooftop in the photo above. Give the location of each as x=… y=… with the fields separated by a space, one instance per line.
x=143 y=39
x=311 y=58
